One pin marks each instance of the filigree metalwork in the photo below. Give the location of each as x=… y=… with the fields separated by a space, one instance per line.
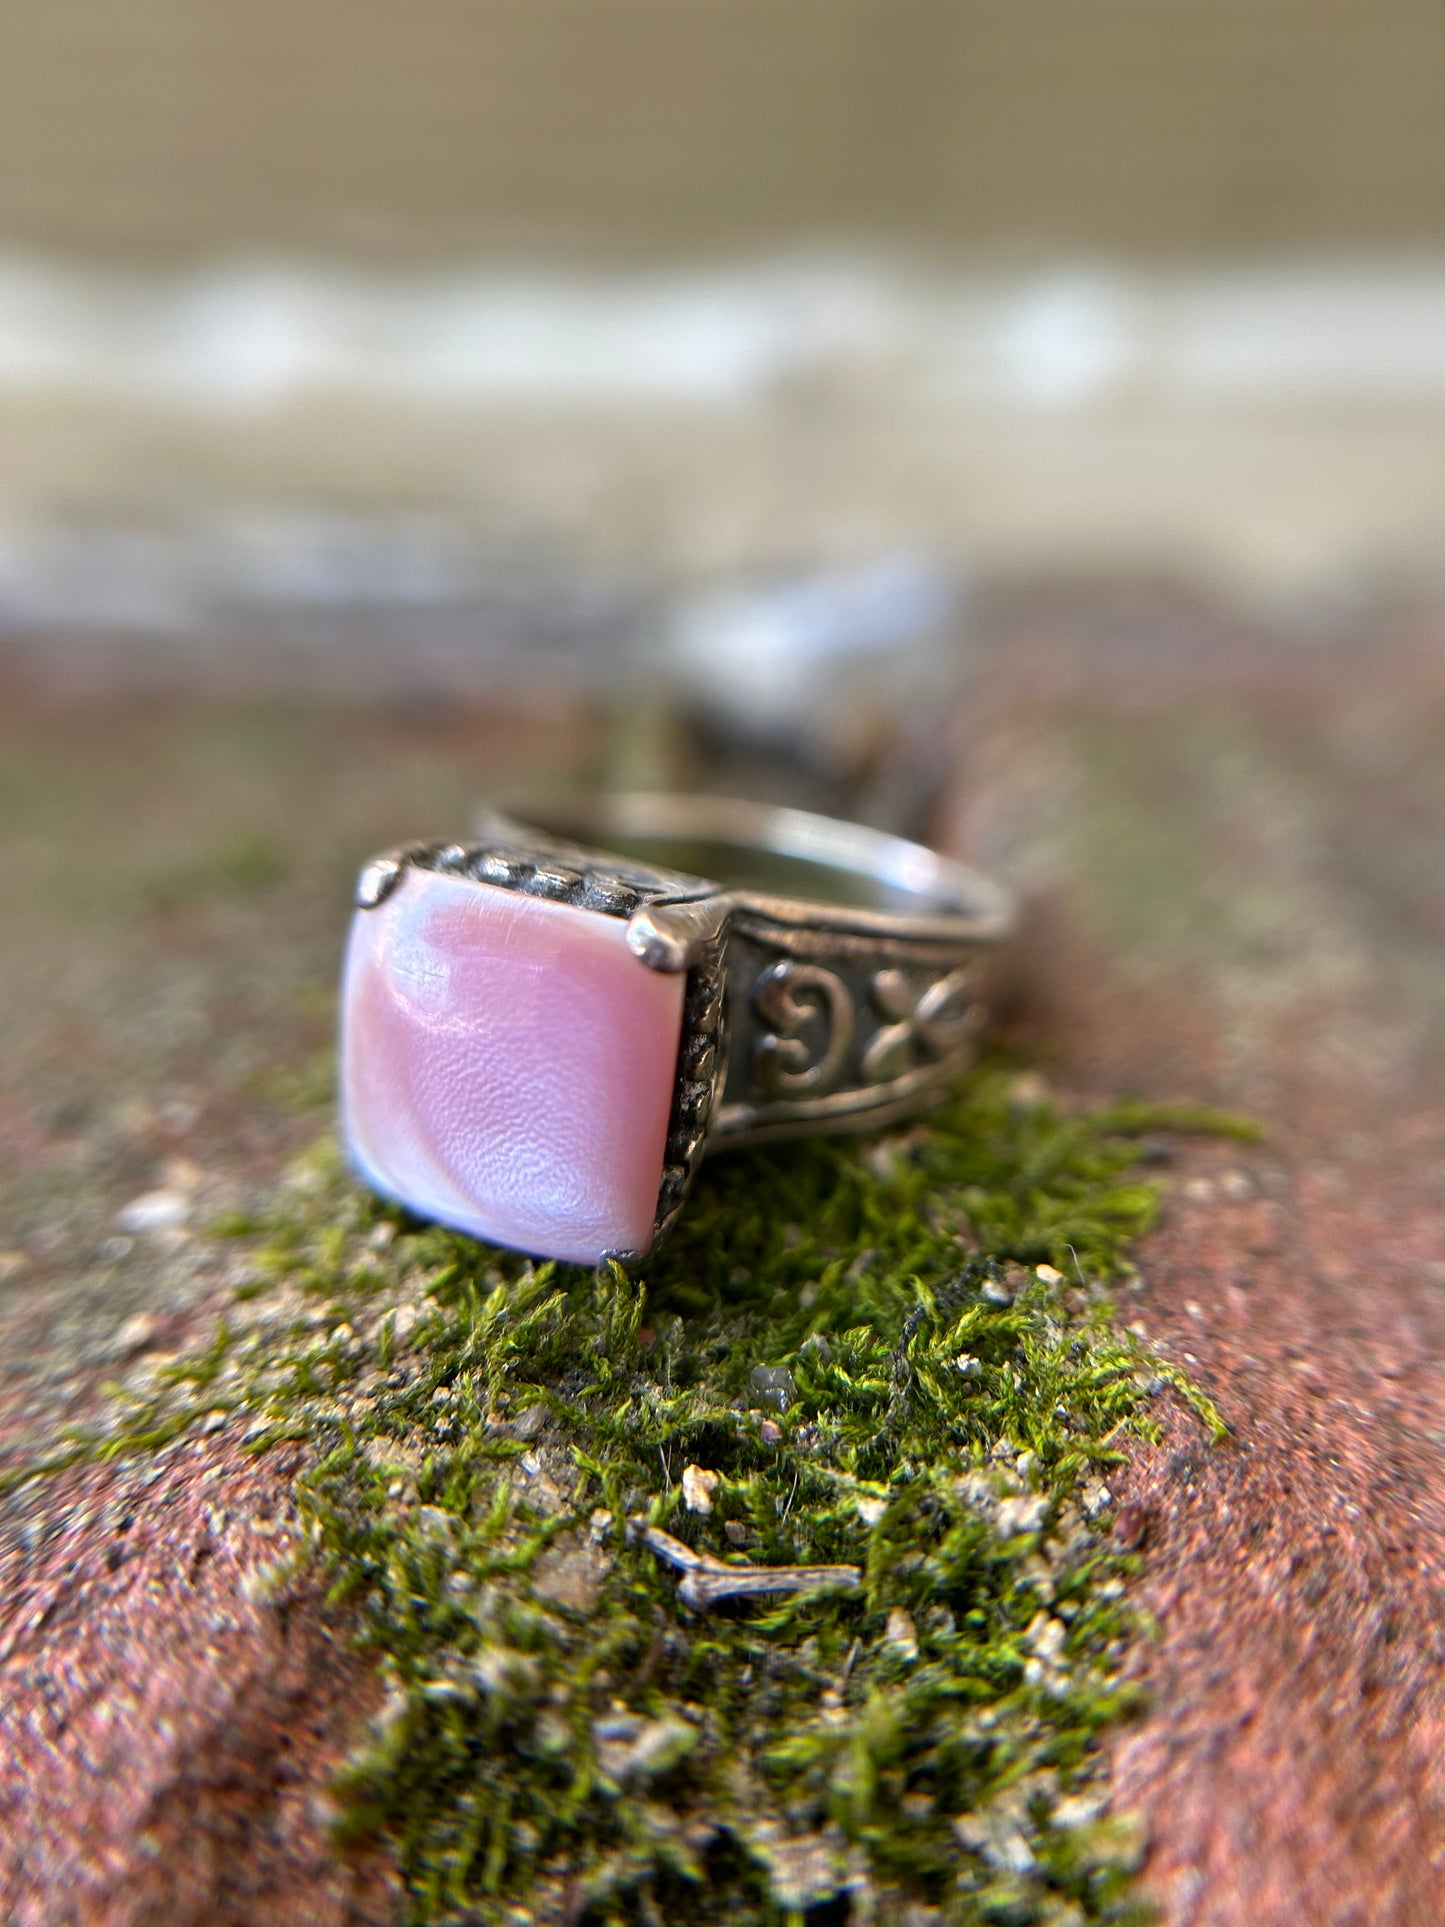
x=835 y=1030
x=810 y=1019
x=924 y=1021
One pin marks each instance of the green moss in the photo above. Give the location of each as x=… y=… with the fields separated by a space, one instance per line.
x=853 y=1339
x=240 y=865
x=296 y=1090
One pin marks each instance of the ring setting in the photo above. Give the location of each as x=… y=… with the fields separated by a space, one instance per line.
x=540 y=1040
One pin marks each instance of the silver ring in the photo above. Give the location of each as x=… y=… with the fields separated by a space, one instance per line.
x=546 y=1028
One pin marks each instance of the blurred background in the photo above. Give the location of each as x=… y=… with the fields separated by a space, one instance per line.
x=568 y=343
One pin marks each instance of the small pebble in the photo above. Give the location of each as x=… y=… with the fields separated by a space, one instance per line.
x=901 y=1634
x=1028 y=1092
x=136 y=1333
x=571 y=1579
x=1046 y=1636
x=1078 y=1810
x=154 y=1211
x=774 y=1386
x=698 y=1486
x=1019 y=1516
x=1039 y=1576
x=1096 y=1499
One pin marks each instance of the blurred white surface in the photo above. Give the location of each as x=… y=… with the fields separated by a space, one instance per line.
x=770 y=658
x=262 y=433
x=251 y=335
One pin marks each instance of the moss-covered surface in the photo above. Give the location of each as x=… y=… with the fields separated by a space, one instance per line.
x=848 y=1355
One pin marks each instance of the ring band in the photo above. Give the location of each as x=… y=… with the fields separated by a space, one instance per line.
x=541 y=1039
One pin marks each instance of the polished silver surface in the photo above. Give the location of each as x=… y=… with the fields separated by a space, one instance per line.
x=786 y=863
x=836 y=975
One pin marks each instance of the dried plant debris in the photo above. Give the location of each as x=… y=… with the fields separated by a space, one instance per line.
x=707 y=1581
x=775 y=1581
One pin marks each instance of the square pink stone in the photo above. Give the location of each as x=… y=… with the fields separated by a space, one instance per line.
x=508 y=1065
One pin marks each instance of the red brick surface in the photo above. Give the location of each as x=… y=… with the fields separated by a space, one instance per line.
x=1286 y=954
x=170 y=1704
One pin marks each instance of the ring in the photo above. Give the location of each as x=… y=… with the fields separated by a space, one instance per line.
x=540 y=1039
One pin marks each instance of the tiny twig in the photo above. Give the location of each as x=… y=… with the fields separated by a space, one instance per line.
x=706 y=1580
x=792 y=1495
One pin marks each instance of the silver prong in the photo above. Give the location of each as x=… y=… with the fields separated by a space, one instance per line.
x=673 y=936
x=377 y=881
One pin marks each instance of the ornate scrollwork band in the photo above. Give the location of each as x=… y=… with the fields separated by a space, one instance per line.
x=817 y=1038
x=809 y=1022
x=831 y=1033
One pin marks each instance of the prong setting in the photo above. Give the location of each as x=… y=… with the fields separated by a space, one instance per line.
x=377 y=881
x=675 y=936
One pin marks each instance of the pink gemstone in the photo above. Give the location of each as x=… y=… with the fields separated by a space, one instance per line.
x=508 y=1066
